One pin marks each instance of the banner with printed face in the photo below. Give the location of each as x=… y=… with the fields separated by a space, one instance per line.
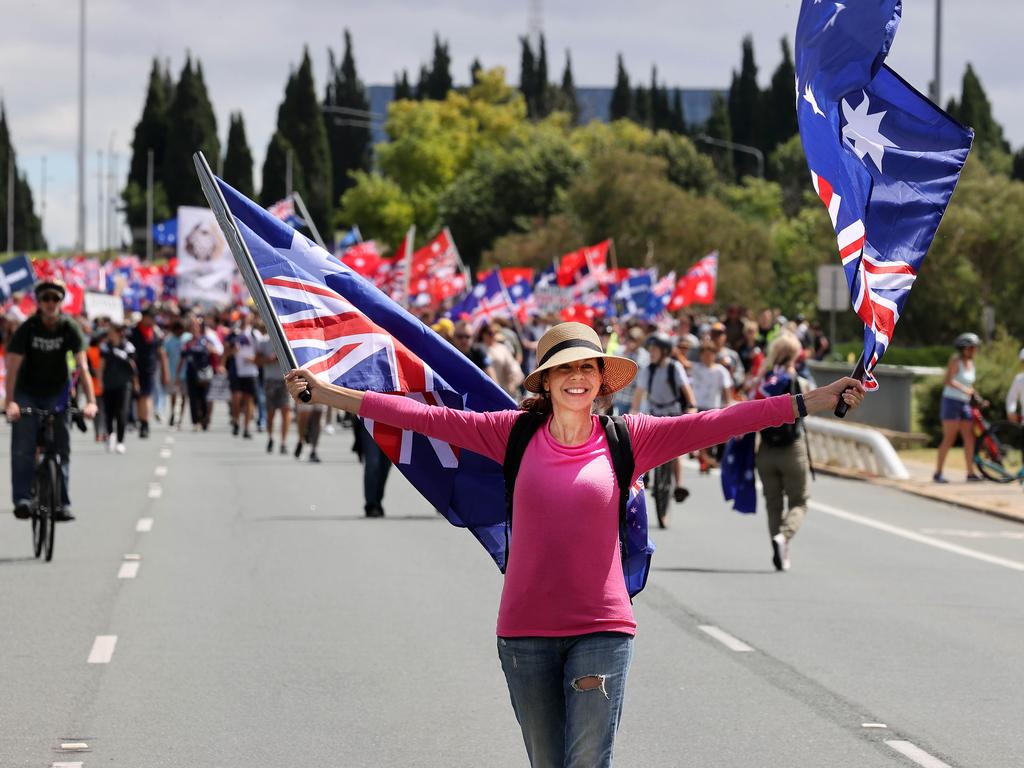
x=206 y=271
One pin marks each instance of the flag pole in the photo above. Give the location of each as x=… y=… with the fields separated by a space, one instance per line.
x=458 y=257
x=410 y=239
x=308 y=219
x=511 y=306
x=858 y=374
x=243 y=259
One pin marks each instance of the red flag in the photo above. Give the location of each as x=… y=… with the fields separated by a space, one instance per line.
x=697 y=286
x=579 y=313
x=592 y=259
x=363 y=258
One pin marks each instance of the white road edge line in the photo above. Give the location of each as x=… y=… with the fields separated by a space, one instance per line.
x=920 y=538
x=129 y=570
x=915 y=753
x=145 y=525
x=102 y=649
x=66 y=765
x=730 y=642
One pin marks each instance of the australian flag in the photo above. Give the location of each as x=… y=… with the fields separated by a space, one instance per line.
x=883 y=159
x=16 y=275
x=632 y=294
x=346 y=331
x=486 y=301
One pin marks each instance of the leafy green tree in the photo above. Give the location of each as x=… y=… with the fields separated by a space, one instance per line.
x=238 y=158
x=275 y=170
x=719 y=126
x=402 y=88
x=28 y=234
x=379 y=206
x=745 y=110
x=300 y=120
x=191 y=126
x=622 y=97
x=150 y=134
x=348 y=134
x=787 y=165
x=528 y=76
x=439 y=79
x=779 y=113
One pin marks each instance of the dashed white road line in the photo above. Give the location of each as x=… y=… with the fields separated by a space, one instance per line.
x=66 y=765
x=160 y=472
x=129 y=570
x=895 y=530
x=155 y=491
x=916 y=754
x=730 y=642
x=169 y=440
x=145 y=525
x=102 y=649
x=165 y=453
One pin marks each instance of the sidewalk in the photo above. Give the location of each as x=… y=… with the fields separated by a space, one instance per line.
x=1002 y=500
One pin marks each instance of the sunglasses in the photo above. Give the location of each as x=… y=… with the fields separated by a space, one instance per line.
x=463 y=336
x=48 y=297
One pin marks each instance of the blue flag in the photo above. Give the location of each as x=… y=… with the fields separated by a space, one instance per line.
x=883 y=159
x=346 y=331
x=165 y=233
x=16 y=275
x=738 y=464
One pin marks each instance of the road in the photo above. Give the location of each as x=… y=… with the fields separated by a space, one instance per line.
x=268 y=623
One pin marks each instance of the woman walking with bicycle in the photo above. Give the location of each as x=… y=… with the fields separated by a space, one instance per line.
x=955 y=407
x=565 y=623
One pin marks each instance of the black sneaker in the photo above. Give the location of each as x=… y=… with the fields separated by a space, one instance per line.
x=143 y=430
x=23 y=510
x=270 y=445
x=284 y=449
x=314 y=458
x=64 y=515
x=171 y=423
x=374 y=510
x=234 y=428
x=298 y=450
x=680 y=494
x=247 y=435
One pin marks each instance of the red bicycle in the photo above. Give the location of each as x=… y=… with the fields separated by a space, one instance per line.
x=998 y=448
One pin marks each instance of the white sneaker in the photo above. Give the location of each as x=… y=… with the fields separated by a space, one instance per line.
x=780 y=552
x=329 y=429
x=120 y=448
x=111 y=442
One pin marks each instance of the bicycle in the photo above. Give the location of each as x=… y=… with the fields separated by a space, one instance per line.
x=48 y=481
x=998 y=449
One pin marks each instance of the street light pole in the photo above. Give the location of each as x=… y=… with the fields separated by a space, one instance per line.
x=80 y=234
x=10 y=201
x=937 y=78
x=149 y=205
x=757 y=153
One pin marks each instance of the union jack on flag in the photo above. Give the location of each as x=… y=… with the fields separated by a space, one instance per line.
x=347 y=332
x=284 y=210
x=883 y=159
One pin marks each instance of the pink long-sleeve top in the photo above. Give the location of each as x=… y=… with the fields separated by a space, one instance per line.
x=564 y=575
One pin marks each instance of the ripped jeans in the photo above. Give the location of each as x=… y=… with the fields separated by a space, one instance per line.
x=567 y=694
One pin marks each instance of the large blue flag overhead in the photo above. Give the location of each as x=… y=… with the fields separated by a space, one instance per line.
x=346 y=331
x=883 y=159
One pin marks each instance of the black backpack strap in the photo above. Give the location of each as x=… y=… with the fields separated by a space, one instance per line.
x=623 y=462
x=523 y=430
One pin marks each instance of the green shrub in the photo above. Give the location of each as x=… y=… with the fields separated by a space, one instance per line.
x=896 y=355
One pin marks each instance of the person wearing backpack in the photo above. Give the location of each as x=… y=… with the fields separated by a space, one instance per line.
x=783 y=457
x=565 y=622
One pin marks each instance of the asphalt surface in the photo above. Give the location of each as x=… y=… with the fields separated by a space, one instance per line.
x=270 y=624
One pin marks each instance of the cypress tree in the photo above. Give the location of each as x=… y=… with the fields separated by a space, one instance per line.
x=275 y=171
x=779 y=112
x=238 y=158
x=423 y=85
x=719 y=126
x=678 y=114
x=350 y=144
x=439 y=81
x=475 y=70
x=28 y=234
x=622 y=97
x=541 y=85
x=975 y=110
x=568 y=91
x=151 y=133
x=1018 y=165
x=528 y=76
x=744 y=109
x=641 y=106
x=659 y=110
x=191 y=126
x=402 y=88
x=300 y=120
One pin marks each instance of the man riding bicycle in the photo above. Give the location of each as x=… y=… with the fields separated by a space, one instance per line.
x=38 y=377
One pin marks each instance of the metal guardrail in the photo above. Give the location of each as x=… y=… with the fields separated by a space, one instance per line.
x=852 y=447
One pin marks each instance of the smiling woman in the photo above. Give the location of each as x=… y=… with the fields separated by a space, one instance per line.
x=565 y=623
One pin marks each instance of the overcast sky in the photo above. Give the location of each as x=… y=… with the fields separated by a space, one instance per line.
x=247 y=48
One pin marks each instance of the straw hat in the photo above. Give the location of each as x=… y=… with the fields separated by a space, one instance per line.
x=569 y=342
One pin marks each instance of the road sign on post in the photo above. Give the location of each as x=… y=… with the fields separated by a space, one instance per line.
x=831 y=293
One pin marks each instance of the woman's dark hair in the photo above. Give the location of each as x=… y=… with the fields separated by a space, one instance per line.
x=541 y=403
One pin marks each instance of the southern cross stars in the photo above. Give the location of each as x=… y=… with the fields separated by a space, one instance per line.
x=863 y=133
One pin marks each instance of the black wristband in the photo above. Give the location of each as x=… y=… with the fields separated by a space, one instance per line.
x=801 y=408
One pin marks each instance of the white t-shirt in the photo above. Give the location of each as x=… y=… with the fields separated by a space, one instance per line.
x=708 y=382
x=1015 y=396
x=245 y=353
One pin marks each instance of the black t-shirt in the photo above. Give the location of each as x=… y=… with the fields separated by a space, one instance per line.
x=44 y=367
x=118 y=364
x=147 y=346
x=478 y=354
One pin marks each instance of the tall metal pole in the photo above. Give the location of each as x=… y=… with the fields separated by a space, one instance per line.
x=100 y=210
x=113 y=230
x=42 y=199
x=149 y=205
x=10 y=202
x=288 y=173
x=80 y=232
x=937 y=79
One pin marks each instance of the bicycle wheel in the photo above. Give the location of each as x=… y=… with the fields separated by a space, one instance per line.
x=49 y=502
x=662 y=489
x=998 y=452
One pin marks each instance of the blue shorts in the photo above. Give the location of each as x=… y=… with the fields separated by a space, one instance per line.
x=954 y=410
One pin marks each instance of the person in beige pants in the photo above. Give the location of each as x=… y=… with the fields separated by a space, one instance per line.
x=782 y=459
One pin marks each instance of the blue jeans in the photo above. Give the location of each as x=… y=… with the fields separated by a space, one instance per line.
x=24 y=439
x=567 y=694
